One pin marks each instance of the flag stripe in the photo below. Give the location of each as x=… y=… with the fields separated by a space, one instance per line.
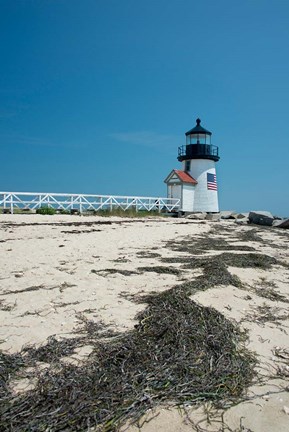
x=211 y=181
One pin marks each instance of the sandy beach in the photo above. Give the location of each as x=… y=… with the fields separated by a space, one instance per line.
x=58 y=272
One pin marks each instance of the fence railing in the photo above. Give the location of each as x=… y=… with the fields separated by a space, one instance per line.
x=84 y=202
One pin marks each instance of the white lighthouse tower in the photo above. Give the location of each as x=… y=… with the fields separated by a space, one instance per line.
x=196 y=184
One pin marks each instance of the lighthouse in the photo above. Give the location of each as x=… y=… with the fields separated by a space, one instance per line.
x=196 y=183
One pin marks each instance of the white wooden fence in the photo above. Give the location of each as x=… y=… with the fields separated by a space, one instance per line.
x=9 y=201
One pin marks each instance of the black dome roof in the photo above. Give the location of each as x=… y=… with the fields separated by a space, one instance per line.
x=198 y=129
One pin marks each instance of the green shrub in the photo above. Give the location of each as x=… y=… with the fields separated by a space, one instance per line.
x=46 y=211
x=63 y=212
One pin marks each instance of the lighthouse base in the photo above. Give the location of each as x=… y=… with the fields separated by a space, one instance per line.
x=206 y=195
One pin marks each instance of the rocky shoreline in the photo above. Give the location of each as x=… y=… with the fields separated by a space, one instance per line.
x=264 y=218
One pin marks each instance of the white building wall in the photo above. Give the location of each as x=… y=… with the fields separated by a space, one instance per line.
x=188 y=197
x=204 y=199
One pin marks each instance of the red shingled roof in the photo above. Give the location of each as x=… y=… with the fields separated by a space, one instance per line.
x=185 y=177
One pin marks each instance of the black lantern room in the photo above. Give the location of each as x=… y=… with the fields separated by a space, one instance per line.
x=198 y=145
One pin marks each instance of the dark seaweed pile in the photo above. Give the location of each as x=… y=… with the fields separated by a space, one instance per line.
x=206 y=243
x=160 y=270
x=215 y=269
x=179 y=351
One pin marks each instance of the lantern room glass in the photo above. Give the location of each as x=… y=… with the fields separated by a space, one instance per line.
x=199 y=138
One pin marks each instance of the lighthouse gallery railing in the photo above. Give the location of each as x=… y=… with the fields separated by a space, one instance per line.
x=84 y=202
x=198 y=150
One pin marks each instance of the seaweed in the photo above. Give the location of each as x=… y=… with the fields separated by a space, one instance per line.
x=267 y=289
x=6 y=307
x=9 y=365
x=206 y=243
x=80 y=231
x=251 y=235
x=52 y=351
x=114 y=271
x=147 y=254
x=265 y=313
x=178 y=352
x=250 y=260
x=160 y=270
x=61 y=288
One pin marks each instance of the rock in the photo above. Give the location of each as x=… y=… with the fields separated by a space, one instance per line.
x=243 y=221
x=286 y=410
x=228 y=214
x=215 y=217
x=261 y=218
x=199 y=215
x=242 y=215
x=283 y=223
x=233 y=215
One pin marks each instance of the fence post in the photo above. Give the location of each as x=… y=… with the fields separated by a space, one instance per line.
x=11 y=205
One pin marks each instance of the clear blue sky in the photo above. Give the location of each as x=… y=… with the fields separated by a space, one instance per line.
x=96 y=95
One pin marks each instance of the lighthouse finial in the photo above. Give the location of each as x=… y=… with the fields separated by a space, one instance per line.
x=198 y=121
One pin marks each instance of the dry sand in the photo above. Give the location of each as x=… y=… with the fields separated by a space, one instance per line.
x=53 y=270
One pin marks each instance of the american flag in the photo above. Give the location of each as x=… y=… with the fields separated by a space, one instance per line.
x=211 y=181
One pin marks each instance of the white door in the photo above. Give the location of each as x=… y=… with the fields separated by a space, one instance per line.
x=175 y=191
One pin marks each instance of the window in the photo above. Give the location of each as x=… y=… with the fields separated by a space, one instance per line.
x=187 y=165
